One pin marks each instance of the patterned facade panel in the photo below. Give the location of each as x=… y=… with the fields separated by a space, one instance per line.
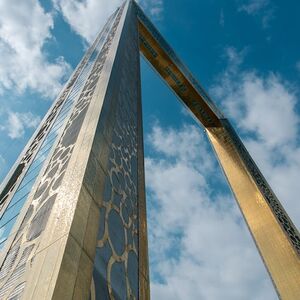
x=31 y=165
x=42 y=132
x=282 y=217
x=116 y=269
x=278 y=253
x=18 y=259
x=173 y=56
x=113 y=179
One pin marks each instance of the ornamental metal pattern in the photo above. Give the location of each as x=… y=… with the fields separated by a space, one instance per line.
x=26 y=242
x=27 y=171
x=279 y=212
x=116 y=269
x=104 y=190
x=33 y=147
x=173 y=56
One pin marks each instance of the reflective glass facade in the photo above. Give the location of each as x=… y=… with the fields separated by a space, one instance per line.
x=116 y=268
x=11 y=213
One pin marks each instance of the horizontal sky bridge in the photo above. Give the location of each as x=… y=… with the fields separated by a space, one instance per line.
x=166 y=63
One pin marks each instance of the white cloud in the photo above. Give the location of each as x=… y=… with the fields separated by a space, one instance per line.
x=262 y=8
x=153 y=7
x=24 y=29
x=263 y=106
x=222 y=18
x=254 y=6
x=87 y=17
x=163 y=141
x=199 y=246
x=17 y=123
x=234 y=58
x=264 y=109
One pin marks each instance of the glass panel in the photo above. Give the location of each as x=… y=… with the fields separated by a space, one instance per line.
x=42 y=156
x=9 y=217
x=65 y=111
x=12 y=212
x=46 y=149
x=49 y=140
x=31 y=176
x=63 y=115
x=6 y=229
x=25 y=185
x=54 y=130
x=36 y=164
x=19 y=196
x=57 y=124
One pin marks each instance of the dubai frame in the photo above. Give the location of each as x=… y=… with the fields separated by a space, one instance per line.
x=73 y=214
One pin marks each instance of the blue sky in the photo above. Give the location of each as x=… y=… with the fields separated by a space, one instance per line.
x=246 y=54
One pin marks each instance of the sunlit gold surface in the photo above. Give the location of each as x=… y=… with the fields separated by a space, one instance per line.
x=175 y=79
x=64 y=255
x=279 y=256
x=63 y=265
x=144 y=280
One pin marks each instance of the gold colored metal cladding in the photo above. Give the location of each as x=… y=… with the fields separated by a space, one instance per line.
x=144 y=279
x=277 y=252
x=175 y=78
x=64 y=253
